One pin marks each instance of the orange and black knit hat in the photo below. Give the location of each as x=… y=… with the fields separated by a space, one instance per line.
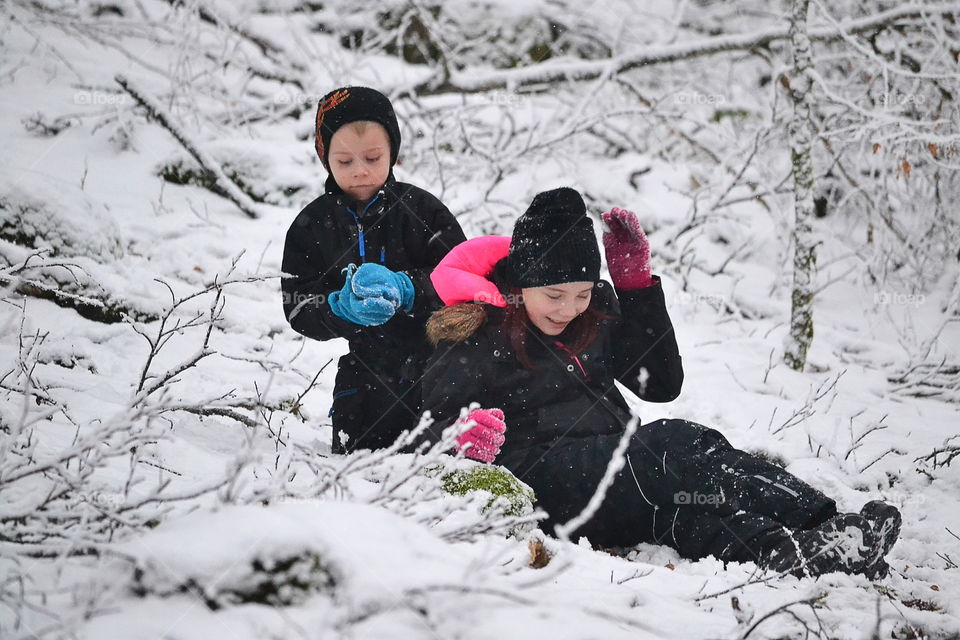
x=350 y=104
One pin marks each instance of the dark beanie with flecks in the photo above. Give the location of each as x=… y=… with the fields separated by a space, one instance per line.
x=553 y=242
x=351 y=104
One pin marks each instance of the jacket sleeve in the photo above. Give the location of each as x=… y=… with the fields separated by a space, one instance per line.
x=312 y=277
x=644 y=349
x=455 y=376
x=442 y=232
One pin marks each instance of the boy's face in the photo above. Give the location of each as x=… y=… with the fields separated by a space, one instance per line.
x=360 y=162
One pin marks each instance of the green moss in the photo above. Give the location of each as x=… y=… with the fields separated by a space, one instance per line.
x=497 y=481
x=720 y=114
x=185 y=172
x=182 y=173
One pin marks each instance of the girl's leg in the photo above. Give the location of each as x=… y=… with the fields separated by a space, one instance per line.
x=716 y=475
x=844 y=543
x=738 y=537
x=661 y=474
x=656 y=498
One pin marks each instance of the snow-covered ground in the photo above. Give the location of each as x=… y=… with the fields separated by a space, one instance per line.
x=353 y=562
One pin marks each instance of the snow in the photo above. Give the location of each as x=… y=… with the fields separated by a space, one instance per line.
x=397 y=567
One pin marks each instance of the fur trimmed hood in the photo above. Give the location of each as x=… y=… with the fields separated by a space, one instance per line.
x=456 y=323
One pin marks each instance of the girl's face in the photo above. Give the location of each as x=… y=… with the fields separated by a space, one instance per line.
x=553 y=307
x=360 y=162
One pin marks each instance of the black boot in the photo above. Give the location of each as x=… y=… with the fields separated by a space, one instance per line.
x=885 y=520
x=845 y=542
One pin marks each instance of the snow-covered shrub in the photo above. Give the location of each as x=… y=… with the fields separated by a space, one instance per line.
x=281 y=581
x=284 y=553
x=238 y=555
x=61 y=248
x=65 y=221
x=457 y=34
x=458 y=499
x=256 y=174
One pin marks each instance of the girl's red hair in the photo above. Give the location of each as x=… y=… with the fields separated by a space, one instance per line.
x=578 y=336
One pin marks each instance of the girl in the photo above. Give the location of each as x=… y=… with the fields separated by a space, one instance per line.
x=544 y=346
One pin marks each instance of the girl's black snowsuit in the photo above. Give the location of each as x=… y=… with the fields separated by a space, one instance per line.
x=683 y=484
x=377 y=389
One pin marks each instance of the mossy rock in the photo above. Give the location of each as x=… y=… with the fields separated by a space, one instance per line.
x=499 y=482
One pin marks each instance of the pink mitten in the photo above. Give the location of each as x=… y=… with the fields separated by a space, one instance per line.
x=486 y=437
x=627 y=250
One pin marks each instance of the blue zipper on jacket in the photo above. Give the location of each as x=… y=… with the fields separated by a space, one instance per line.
x=356 y=218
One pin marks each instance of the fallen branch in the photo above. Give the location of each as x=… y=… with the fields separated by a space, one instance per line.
x=157 y=112
x=89 y=308
x=546 y=73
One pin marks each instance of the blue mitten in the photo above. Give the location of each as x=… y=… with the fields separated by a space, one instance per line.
x=372 y=280
x=368 y=312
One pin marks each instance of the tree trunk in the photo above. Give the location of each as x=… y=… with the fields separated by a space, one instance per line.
x=801 y=148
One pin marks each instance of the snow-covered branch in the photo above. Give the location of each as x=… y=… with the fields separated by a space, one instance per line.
x=580 y=71
x=158 y=112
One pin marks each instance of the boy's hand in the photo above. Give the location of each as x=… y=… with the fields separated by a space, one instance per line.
x=375 y=280
x=369 y=311
x=627 y=249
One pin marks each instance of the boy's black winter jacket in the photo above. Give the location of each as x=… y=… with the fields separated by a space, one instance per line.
x=405 y=229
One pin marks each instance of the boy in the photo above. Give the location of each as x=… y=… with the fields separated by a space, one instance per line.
x=396 y=233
